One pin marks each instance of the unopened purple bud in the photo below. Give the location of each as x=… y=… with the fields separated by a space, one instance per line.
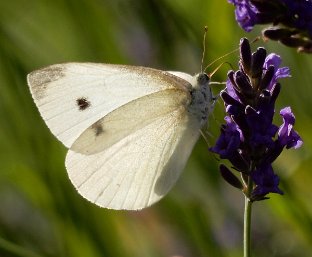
x=292 y=41
x=245 y=55
x=277 y=33
x=258 y=58
x=267 y=77
x=231 y=86
x=229 y=100
x=230 y=177
x=243 y=83
x=275 y=92
x=240 y=120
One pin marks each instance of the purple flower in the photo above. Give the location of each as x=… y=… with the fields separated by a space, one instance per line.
x=291 y=20
x=249 y=139
x=245 y=14
x=265 y=180
x=275 y=61
x=286 y=134
x=228 y=141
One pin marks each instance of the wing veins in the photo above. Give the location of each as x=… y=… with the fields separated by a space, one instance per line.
x=162 y=157
x=115 y=178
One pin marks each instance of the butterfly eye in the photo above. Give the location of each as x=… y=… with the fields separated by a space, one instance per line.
x=202 y=78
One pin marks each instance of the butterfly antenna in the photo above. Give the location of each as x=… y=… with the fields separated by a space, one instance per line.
x=204 y=49
x=219 y=66
x=255 y=40
x=227 y=54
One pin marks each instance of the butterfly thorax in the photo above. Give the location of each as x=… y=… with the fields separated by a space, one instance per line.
x=202 y=98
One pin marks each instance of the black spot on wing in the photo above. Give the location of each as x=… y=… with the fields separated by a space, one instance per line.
x=83 y=103
x=97 y=128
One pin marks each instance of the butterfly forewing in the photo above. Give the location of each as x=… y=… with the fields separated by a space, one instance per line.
x=73 y=96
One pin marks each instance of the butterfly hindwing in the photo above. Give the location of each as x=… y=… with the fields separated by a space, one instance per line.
x=141 y=167
x=129 y=118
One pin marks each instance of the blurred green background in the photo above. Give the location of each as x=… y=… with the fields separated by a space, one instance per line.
x=40 y=212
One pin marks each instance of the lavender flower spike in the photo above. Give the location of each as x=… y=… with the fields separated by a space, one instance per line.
x=249 y=139
x=291 y=20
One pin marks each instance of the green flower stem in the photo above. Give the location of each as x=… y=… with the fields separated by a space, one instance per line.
x=247 y=219
x=247 y=225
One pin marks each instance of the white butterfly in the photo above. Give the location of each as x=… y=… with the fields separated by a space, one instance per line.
x=130 y=130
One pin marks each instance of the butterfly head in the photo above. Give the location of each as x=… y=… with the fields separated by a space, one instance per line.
x=201 y=80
